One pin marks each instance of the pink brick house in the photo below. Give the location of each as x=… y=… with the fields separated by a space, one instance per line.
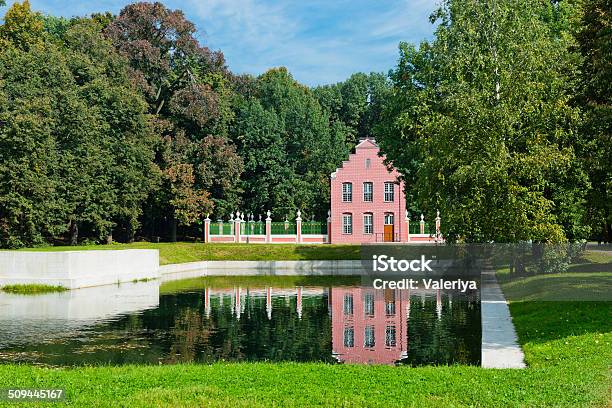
x=368 y=203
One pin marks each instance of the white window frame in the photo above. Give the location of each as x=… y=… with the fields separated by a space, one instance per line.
x=347 y=307
x=369 y=337
x=347 y=192
x=368 y=228
x=347 y=227
x=390 y=335
x=368 y=304
x=349 y=336
x=368 y=196
x=389 y=192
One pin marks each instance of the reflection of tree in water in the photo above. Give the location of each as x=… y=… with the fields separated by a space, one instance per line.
x=454 y=337
x=186 y=328
x=222 y=336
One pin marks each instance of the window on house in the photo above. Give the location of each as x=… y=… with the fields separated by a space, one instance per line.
x=389 y=192
x=368 y=163
x=349 y=337
x=368 y=228
x=390 y=339
x=368 y=191
x=347 y=192
x=389 y=219
x=347 y=223
x=368 y=304
x=390 y=302
x=368 y=338
x=348 y=304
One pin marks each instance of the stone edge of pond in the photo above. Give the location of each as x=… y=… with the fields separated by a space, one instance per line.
x=500 y=348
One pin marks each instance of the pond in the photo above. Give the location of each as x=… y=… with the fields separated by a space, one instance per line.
x=203 y=320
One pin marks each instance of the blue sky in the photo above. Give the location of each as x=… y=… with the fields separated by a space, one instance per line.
x=319 y=41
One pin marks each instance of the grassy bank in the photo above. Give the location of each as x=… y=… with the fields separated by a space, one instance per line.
x=588 y=278
x=32 y=289
x=567 y=347
x=180 y=252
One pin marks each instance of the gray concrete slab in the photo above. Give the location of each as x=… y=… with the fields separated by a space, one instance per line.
x=500 y=348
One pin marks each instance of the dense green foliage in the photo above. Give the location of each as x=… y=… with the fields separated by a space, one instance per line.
x=125 y=126
x=481 y=122
x=595 y=44
x=75 y=140
x=118 y=126
x=289 y=146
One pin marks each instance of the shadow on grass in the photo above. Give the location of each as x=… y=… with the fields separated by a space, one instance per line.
x=590 y=267
x=581 y=286
x=540 y=322
x=325 y=252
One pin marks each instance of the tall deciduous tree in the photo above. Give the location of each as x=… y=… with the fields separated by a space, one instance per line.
x=74 y=148
x=481 y=125
x=289 y=147
x=595 y=42
x=356 y=103
x=187 y=88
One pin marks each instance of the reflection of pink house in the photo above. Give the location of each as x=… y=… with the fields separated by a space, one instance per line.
x=368 y=203
x=368 y=325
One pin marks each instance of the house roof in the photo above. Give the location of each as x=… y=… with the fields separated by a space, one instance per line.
x=368 y=143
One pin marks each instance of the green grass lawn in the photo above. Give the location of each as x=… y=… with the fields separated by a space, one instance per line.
x=180 y=252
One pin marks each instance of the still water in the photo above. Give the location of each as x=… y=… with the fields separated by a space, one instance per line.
x=244 y=319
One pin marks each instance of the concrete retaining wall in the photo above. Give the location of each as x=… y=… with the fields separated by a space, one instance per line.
x=254 y=268
x=78 y=269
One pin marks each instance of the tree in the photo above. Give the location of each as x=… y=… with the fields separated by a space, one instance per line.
x=595 y=44
x=290 y=149
x=161 y=47
x=218 y=168
x=22 y=27
x=75 y=147
x=481 y=126
x=187 y=87
x=356 y=103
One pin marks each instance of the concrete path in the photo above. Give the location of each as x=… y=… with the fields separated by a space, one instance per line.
x=500 y=348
